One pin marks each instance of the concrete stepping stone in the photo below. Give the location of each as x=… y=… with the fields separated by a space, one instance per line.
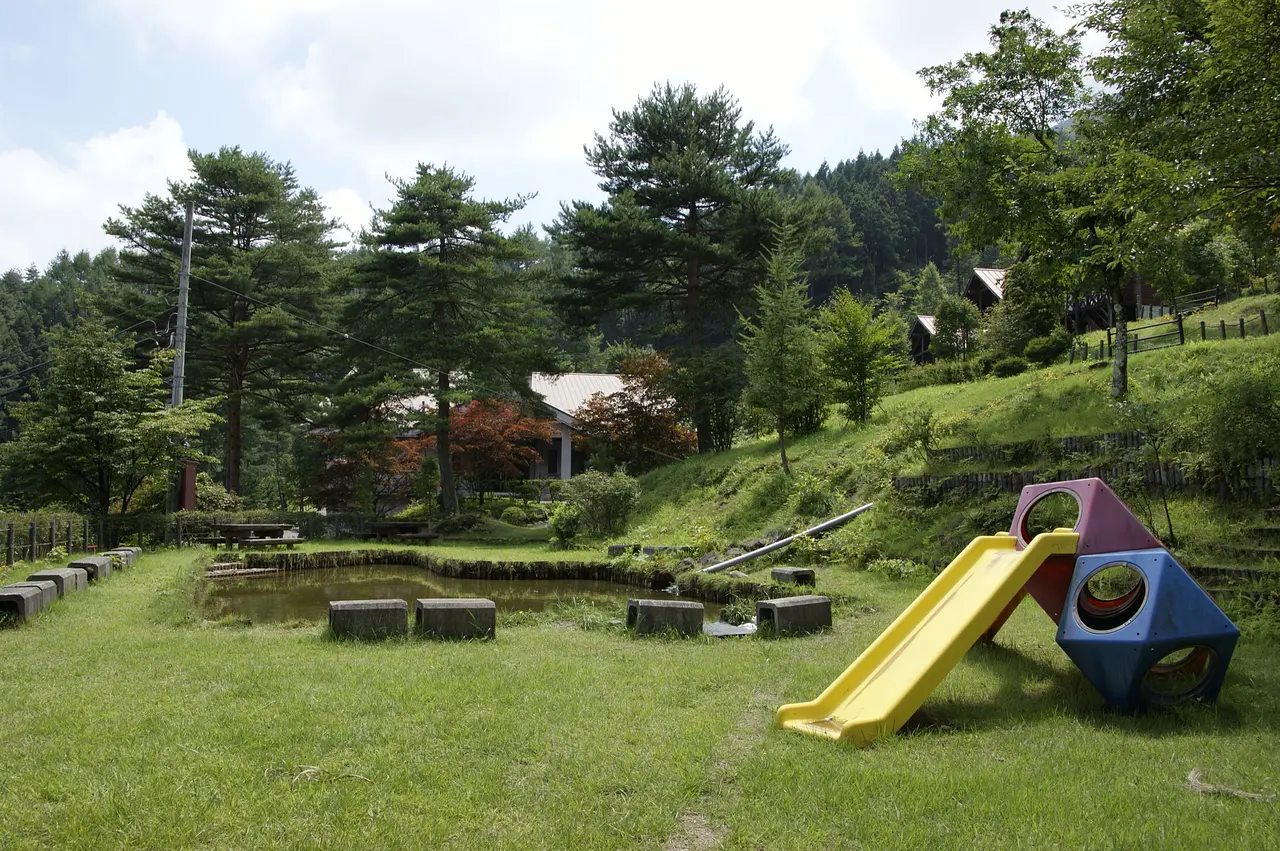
x=68 y=579
x=368 y=618
x=48 y=590
x=20 y=603
x=793 y=575
x=125 y=556
x=655 y=617
x=795 y=615
x=455 y=617
x=97 y=567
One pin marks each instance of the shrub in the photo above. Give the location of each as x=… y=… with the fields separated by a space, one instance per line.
x=942 y=372
x=812 y=496
x=1046 y=350
x=515 y=516
x=565 y=520
x=1009 y=366
x=605 y=500
x=460 y=523
x=738 y=611
x=897 y=568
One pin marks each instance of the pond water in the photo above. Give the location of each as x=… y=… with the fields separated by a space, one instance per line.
x=306 y=594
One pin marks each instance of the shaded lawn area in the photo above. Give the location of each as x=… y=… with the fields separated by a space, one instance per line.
x=128 y=724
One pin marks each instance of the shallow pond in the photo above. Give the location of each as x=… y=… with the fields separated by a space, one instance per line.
x=306 y=594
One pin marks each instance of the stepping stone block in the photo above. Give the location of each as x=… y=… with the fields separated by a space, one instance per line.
x=650 y=617
x=20 y=603
x=795 y=615
x=124 y=556
x=368 y=618
x=48 y=590
x=68 y=579
x=457 y=617
x=793 y=575
x=98 y=567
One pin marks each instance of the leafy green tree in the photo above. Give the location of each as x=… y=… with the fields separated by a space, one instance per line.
x=860 y=351
x=956 y=324
x=677 y=244
x=440 y=286
x=260 y=252
x=98 y=428
x=929 y=290
x=783 y=363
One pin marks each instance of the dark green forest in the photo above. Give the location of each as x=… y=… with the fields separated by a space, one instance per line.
x=1149 y=164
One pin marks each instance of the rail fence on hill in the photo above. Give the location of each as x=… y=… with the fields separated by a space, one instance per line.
x=1088 y=445
x=1177 y=331
x=1257 y=481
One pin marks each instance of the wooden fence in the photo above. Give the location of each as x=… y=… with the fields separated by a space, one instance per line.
x=1258 y=481
x=1175 y=332
x=1064 y=446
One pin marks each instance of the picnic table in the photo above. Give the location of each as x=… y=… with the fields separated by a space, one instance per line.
x=385 y=530
x=254 y=534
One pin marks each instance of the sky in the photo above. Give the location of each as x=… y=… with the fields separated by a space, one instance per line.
x=100 y=100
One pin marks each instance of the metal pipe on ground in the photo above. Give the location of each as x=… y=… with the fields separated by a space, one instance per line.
x=782 y=542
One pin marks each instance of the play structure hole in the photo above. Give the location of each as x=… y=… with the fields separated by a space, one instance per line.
x=1180 y=675
x=1110 y=597
x=1051 y=510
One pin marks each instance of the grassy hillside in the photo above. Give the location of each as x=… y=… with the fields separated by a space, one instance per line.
x=741 y=494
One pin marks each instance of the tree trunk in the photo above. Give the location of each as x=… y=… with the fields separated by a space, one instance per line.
x=235 y=448
x=448 y=491
x=782 y=446
x=1120 y=352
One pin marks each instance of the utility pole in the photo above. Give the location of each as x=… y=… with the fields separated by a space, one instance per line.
x=184 y=282
x=183 y=497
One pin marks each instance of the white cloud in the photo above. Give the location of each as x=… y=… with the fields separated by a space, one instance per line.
x=349 y=208
x=55 y=202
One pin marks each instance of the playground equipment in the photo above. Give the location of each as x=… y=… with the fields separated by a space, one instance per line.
x=1131 y=618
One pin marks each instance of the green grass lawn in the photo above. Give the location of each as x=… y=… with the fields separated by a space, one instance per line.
x=130 y=724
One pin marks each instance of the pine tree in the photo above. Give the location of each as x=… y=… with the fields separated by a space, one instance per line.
x=260 y=251
x=438 y=285
x=783 y=366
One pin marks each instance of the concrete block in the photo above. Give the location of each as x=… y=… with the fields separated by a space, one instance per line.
x=123 y=557
x=68 y=579
x=795 y=615
x=648 y=617
x=98 y=567
x=793 y=575
x=48 y=590
x=459 y=617
x=17 y=604
x=368 y=618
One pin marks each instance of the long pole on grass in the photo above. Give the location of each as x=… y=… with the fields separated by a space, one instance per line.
x=779 y=544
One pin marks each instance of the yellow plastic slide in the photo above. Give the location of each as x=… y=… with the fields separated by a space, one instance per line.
x=888 y=682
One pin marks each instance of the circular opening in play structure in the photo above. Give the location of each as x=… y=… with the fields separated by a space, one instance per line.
x=1110 y=597
x=1051 y=510
x=1180 y=675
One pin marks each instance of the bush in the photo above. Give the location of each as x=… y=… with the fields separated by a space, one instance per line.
x=515 y=516
x=1009 y=366
x=464 y=522
x=1046 y=350
x=942 y=372
x=565 y=520
x=605 y=500
x=535 y=512
x=812 y=496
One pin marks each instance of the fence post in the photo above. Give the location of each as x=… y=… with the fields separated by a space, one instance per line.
x=1262 y=315
x=1222 y=328
x=1204 y=335
x=31 y=539
x=1241 y=327
x=69 y=525
x=1182 y=334
x=53 y=534
x=98 y=543
x=1135 y=344
x=179 y=531
x=84 y=536
x=9 y=547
